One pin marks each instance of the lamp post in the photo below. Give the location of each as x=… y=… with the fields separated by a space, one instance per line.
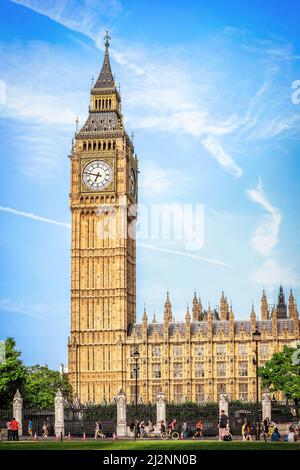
x=256 y=337
x=136 y=356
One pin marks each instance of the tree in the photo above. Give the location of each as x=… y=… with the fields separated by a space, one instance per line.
x=13 y=374
x=41 y=386
x=282 y=373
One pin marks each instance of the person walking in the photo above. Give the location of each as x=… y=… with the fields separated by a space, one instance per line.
x=14 y=426
x=199 y=429
x=222 y=425
x=29 y=428
x=248 y=432
x=184 y=429
x=97 y=429
x=142 y=428
x=265 y=428
x=9 y=431
x=45 y=429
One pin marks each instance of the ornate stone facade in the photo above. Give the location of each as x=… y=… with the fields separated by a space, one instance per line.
x=208 y=354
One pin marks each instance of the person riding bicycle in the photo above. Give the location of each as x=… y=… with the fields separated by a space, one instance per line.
x=172 y=426
x=162 y=427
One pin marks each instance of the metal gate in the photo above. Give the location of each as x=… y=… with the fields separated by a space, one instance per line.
x=239 y=412
x=80 y=420
x=191 y=412
x=39 y=418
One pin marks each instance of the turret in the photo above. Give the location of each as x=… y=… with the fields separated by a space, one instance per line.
x=223 y=307
x=196 y=308
x=253 y=319
x=168 y=310
x=264 y=307
x=281 y=305
x=292 y=305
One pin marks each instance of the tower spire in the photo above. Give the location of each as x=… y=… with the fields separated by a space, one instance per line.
x=105 y=79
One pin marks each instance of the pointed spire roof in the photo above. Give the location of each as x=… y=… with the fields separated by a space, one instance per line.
x=145 y=318
x=105 y=79
x=187 y=315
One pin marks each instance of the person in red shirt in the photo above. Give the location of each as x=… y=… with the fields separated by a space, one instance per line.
x=14 y=426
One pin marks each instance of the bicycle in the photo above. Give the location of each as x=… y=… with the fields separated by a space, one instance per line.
x=170 y=435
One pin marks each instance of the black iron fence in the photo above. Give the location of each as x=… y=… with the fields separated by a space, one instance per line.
x=42 y=421
x=191 y=413
x=239 y=412
x=80 y=420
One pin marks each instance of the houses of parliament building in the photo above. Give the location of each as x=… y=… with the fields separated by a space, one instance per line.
x=195 y=360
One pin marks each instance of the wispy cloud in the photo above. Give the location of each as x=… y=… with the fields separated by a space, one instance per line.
x=266 y=235
x=272 y=273
x=215 y=149
x=158 y=181
x=38 y=310
x=85 y=16
x=32 y=216
x=183 y=253
x=265 y=238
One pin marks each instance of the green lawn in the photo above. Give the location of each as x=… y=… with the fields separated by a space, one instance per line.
x=147 y=445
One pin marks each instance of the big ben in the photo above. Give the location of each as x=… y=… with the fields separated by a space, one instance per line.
x=209 y=353
x=104 y=173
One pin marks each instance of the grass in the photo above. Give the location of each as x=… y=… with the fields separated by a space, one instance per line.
x=147 y=445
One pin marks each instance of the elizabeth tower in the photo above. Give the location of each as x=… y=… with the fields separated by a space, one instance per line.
x=103 y=197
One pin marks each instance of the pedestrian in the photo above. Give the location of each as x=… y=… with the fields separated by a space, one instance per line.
x=14 y=426
x=9 y=431
x=265 y=428
x=247 y=432
x=30 y=427
x=199 y=429
x=162 y=427
x=150 y=427
x=184 y=429
x=45 y=429
x=276 y=435
x=172 y=426
x=222 y=425
x=98 y=430
x=142 y=428
x=291 y=437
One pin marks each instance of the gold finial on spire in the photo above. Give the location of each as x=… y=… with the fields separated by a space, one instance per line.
x=107 y=39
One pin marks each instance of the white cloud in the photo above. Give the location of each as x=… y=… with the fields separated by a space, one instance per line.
x=83 y=16
x=183 y=253
x=158 y=181
x=266 y=235
x=271 y=273
x=215 y=149
x=32 y=216
x=39 y=310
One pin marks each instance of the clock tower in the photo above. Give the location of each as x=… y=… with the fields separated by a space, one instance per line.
x=103 y=195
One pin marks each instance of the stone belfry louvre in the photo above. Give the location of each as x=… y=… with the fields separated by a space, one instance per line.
x=103 y=183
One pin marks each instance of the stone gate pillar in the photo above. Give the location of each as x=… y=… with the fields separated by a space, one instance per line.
x=59 y=425
x=223 y=403
x=266 y=405
x=18 y=410
x=121 y=414
x=160 y=408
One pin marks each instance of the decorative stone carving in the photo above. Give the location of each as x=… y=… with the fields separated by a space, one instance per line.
x=18 y=410
x=121 y=415
x=266 y=405
x=160 y=408
x=223 y=403
x=59 y=425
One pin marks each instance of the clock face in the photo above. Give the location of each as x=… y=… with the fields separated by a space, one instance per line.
x=132 y=183
x=97 y=175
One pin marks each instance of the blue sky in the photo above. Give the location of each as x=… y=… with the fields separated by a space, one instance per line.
x=206 y=87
